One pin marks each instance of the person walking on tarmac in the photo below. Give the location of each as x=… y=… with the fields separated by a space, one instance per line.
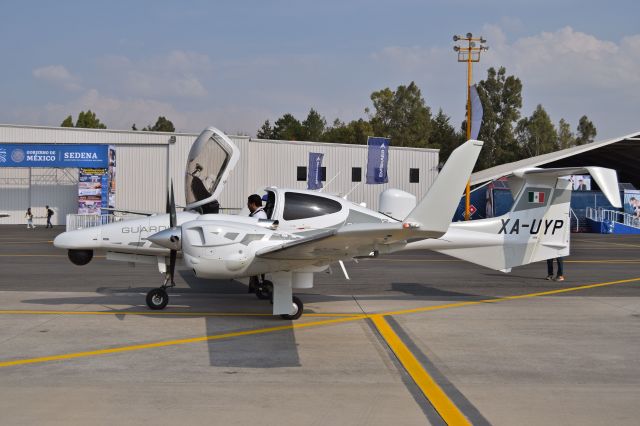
x=49 y=214
x=29 y=217
x=560 y=276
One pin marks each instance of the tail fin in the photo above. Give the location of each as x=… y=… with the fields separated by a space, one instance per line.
x=536 y=228
x=434 y=212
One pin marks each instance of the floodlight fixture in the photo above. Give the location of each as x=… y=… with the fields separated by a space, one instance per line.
x=469 y=35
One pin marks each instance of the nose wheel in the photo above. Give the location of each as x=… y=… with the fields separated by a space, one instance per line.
x=157 y=299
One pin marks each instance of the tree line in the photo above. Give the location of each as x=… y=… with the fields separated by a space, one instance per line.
x=404 y=116
x=88 y=120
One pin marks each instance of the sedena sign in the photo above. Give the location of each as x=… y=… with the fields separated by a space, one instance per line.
x=54 y=155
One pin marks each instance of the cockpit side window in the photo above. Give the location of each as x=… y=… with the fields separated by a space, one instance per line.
x=303 y=206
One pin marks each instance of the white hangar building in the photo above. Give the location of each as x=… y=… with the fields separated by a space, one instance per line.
x=148 y=161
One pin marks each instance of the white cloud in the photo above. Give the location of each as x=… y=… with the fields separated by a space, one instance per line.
x=175 y=74
x=58 y=75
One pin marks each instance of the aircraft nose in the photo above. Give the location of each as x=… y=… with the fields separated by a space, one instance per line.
x=79 y=239
x=169 y=238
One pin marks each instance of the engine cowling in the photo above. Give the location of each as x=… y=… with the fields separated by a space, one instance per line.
x=80 y=257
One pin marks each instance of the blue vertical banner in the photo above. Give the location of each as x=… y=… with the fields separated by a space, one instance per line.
x=476 y=113
x=377 y=160
x=314 y=179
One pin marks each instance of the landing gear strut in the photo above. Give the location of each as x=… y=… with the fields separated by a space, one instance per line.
x=158 y=298
x=264 y=290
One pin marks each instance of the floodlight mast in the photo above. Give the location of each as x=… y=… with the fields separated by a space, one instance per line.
x=469 y=53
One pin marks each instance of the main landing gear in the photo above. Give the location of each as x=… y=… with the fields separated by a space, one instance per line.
x=264 y=291
x=296 y=313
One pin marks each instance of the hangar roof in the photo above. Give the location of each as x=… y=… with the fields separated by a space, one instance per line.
x=621 y=154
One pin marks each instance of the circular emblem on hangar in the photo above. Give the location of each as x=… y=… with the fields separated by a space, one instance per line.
x=17 y=155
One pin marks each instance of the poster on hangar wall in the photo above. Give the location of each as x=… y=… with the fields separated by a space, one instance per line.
x=97 y=187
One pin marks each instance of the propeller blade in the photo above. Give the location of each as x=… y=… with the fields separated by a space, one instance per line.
x=168 y=209
x=172 y=264
x=172 y=212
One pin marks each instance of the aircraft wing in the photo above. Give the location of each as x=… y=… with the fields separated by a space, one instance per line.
x=429 y=219
x=342 y=243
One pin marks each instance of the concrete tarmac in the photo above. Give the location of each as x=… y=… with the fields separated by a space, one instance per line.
x=78 y=345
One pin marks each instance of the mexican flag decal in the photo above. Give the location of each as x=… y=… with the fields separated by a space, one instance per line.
x=536 y=197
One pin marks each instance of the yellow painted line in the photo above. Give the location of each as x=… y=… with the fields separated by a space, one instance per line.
x=604 y=261
x=25 y=242
x=505 y=298
x=43 y=255
x=162 y=313
x=434 y=393
x=413 y=260
x=569 y=261
x=298 y=325
x=610 y=243
x=175 y=342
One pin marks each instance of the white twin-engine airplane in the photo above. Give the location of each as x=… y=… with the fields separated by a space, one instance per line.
x=307 y=230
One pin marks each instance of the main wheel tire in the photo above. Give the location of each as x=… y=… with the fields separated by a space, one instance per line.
x=157 y=299
x=265 y=290
x=297 y=306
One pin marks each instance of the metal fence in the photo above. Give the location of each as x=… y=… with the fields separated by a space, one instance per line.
x=82 y=221
x=605 y=215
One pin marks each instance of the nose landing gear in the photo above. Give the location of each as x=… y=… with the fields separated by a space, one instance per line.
x=157 y=298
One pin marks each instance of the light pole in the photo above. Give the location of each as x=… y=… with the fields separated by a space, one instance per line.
x=469 y=53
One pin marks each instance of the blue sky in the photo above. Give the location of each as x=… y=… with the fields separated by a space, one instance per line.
x=235 y=65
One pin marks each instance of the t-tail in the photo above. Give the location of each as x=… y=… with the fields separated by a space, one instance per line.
x=537 y=227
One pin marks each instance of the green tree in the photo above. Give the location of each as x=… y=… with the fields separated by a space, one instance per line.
x=443 y=135
x=586 y=131
x=288 y=128
x=565 y=137
x=501 y=98
x=266 y=131
x=355 y=132
x=162 y=125
x=536 y=135
x=401 y=115
x=88 y=120
x=68 y=122
x=313 y=127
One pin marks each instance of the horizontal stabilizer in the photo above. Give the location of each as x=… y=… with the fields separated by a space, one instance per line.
x=607 y=179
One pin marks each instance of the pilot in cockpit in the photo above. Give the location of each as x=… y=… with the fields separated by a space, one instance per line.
x=254 y=203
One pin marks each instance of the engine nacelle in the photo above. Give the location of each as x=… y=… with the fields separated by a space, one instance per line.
x=80 y=257
x=396 y=203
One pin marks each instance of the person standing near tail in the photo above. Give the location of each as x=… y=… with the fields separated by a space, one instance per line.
x=560 y=276
x=49 y=214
